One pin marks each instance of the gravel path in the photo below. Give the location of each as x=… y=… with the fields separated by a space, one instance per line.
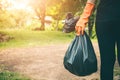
x=42 y=63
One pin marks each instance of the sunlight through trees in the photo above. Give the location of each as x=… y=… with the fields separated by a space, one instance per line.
x=32 y=14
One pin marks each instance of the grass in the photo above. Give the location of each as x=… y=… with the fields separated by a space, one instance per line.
x=117 y=71
x=8 y=75
x=25 y=38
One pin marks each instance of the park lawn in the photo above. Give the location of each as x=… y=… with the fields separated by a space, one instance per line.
x=7 y=75
x=27 y=38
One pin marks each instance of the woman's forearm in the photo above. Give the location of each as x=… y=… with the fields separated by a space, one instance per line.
x=91 y=1
x=80 y=25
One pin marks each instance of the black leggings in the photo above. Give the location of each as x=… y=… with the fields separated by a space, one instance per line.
x=108 y=34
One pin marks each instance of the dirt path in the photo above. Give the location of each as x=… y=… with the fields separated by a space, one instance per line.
x=41 y=63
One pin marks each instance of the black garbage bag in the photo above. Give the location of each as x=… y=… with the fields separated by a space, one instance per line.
x=69 y=25
x=80 y=58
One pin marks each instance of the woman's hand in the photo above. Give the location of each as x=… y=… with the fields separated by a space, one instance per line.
x=80 y=29
x=80 y=25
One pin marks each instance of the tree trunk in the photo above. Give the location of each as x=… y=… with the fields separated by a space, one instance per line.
x=42 y=27
x=42 y=15
x=57 y=24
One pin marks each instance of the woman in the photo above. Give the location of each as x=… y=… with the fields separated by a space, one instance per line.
x=107 y=29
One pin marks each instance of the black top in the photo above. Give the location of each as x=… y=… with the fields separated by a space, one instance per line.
x=108 y=10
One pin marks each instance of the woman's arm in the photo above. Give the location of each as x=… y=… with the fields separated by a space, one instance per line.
x=80 y=26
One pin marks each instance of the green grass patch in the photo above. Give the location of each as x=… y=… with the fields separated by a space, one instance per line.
x=116 y=71
x=7 y=75
x=26 y=38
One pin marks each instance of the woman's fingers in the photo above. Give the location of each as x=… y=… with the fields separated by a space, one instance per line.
x=82 y=30
x=79 y=31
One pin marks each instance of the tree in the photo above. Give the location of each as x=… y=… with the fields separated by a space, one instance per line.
x=59 y=8
x=55 y=8
x=10 y=17
x=55 y=11
x=5 y=17
x=39 y=7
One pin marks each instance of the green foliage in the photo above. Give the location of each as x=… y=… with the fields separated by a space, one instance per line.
x=14 y=18
x=32 y=24
x=59 y=8
x=20 y=18
x=50 y=27
x=56 y=26
x=6 y=21
x=60 y=25
x=71 y=6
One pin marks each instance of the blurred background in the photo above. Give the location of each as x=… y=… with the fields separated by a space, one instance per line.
x=37 y=14
x=32 y=41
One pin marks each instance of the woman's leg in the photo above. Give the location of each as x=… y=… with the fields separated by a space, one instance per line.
x=106 y=42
